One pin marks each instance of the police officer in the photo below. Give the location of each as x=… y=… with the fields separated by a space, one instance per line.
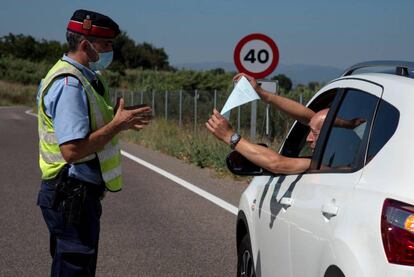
x=79 y=149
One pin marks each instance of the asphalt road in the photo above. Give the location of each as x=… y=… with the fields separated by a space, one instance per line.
x=153 y=227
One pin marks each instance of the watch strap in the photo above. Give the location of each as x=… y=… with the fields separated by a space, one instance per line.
x=234 y=140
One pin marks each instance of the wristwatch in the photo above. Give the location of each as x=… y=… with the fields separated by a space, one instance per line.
x=234 y=139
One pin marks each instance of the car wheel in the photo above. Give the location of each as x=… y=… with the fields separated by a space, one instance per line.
x=245 y=265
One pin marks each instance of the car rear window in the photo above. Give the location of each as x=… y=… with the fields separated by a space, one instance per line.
x=385 y=125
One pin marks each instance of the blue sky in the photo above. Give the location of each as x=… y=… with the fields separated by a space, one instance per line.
x=316 y=32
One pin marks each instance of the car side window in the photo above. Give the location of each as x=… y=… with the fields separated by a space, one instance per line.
x=385 y=124
x=344 y=149
x=295 y=144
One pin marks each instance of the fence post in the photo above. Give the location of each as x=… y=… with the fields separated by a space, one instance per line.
x=116 y=96
x=195 y=109
x=253 y=119
x=238 y=118
x=153 y=103
x=301 y=98
x=267 y=119
x=142 y=97
x=215 y=99
x=166 y=105
x=180 y=107
x=132 y=97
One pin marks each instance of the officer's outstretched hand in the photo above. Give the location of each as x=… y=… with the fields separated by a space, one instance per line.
x=219 y=127
x=130 y=117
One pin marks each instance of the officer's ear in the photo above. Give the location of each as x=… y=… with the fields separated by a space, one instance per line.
x=86 y=46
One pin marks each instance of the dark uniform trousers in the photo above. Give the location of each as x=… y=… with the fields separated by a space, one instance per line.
x=74 y=248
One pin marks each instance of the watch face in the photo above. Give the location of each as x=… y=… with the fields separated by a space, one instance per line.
x=234 y=138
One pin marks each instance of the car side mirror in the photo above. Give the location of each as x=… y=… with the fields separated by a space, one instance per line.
x=239 y=165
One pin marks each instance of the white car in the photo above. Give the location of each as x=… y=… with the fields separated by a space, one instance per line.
x=352 y=212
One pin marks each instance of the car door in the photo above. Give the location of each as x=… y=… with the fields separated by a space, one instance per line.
x=272 y=226
x=302 y=211
x=320 y=198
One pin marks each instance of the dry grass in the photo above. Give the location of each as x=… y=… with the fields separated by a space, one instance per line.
x=199 y=148
x=17 y=94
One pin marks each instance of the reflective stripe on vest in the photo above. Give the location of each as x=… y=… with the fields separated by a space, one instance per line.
x=108 y=152
x=112 y=174
x=101 y=113
x=49 y=138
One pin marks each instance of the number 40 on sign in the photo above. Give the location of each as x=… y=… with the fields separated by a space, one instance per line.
x=256 y=55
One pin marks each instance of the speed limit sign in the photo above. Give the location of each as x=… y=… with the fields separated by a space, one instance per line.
x=256 y=55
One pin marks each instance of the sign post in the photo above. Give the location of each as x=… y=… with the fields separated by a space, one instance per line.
x=256 y=55
x=270 y=86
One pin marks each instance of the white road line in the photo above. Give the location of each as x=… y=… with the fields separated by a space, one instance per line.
x=218 y=201
x=212 y=198
x=29 y=112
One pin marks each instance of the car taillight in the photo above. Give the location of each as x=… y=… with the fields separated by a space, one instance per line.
x=397 y=229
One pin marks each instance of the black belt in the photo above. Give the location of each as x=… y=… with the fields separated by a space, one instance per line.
x=92 y=189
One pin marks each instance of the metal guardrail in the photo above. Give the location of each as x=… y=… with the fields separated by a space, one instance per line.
x=401 y=67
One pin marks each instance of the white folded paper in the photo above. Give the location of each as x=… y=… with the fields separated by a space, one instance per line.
x=242 y=93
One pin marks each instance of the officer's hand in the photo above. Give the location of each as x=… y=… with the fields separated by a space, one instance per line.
x=131 y=118
x=219 y=127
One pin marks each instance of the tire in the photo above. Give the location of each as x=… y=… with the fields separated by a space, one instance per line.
x=245 y=264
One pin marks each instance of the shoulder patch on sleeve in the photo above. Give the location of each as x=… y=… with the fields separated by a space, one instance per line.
x=71 y=81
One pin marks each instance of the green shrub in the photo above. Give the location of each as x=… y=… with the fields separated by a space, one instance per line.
x=22 y=71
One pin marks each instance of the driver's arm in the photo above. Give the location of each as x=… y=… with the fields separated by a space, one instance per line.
x=288 y=106
x=257 y=154
x=271 y=160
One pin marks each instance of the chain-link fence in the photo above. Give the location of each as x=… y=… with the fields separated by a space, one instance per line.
x=191 y=109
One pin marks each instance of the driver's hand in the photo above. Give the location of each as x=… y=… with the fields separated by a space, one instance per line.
x=219 y=127
x=252 y=81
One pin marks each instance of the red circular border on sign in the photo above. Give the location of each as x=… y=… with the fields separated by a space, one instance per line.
x=270 y=42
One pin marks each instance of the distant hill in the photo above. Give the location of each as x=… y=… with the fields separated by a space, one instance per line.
x=298 y=73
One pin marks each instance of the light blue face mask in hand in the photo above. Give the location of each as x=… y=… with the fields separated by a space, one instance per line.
x=104 y=60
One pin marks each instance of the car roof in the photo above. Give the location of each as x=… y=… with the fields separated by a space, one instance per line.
x=395 y=87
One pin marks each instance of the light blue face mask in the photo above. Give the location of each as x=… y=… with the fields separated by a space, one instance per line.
x=103 y=61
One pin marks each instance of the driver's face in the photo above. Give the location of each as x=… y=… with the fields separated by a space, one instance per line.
x=312 y=138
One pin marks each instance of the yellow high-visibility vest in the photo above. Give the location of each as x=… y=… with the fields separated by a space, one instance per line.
x=101 y=113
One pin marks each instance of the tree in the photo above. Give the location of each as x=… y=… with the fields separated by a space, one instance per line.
x=28 y=48
x=128 y=54
x=284 y=82
x=313 y=86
